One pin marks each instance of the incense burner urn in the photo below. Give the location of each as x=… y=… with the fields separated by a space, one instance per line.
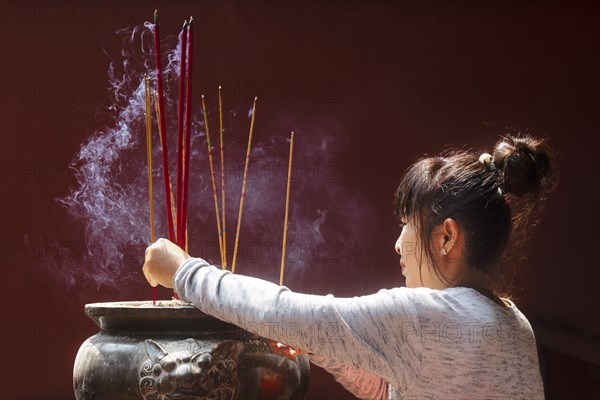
x=171 y=350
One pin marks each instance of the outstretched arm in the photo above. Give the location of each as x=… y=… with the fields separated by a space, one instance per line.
x=364 y=333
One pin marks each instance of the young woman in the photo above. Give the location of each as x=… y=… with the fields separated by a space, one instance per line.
x=448 y=334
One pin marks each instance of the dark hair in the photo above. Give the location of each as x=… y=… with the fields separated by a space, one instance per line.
x=493 y=201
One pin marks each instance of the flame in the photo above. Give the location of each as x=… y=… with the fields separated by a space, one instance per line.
x=285 y=350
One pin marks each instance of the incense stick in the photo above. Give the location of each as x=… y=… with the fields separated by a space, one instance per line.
x=287 y=207
x=173 y=208
x=149 y=154
x=149 y=151
x=170 y=191
x=239 y=224
x=180 y=110
x=162 y=126
x=187 y=134
x=212 y=176
x=224 y=231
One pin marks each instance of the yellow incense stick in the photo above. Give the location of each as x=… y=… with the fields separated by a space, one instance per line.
x=212 y=176
x=149 y=154
x=222 y=181
x=173 y=209
x=149 y=151
x=239 y=224
x=287 y=207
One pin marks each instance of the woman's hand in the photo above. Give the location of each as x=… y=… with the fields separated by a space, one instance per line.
x=163 y=258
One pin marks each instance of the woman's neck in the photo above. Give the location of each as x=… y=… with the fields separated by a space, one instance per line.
x=480 y=282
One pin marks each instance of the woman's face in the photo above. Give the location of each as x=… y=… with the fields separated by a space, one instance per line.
x=408 y=246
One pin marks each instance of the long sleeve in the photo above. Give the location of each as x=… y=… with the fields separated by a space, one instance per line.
x=425 y=343
x=360 y=383
x=361 y=332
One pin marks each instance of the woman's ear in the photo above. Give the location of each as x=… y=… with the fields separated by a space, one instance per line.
x=446 y=239
x=449 y=241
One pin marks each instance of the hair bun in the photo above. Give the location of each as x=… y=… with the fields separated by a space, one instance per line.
x=527 y=164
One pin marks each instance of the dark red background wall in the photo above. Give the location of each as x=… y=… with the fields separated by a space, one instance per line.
x=402 y=79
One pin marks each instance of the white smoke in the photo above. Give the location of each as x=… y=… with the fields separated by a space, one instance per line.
x=327 y=220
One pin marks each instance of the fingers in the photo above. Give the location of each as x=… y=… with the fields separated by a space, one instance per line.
x=149 y=268
x=162 y=259
x=151 y=282
x=149 y=250
x=163 y=243
x=159 y=245
x=148 y=275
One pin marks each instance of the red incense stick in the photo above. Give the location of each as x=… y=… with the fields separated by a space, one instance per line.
x=163 y=130
x=182 y=223
x=170 y=189
x=180 y=108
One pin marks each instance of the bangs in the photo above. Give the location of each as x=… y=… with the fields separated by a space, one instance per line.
x=416 y=187
x=404 y=196
x=456 y=184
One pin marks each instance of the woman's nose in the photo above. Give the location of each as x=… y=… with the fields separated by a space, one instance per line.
x=397 y=246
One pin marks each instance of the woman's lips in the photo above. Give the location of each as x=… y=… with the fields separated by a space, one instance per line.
x=403 y=266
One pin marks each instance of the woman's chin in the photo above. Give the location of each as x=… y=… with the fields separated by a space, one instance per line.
x=411 y=284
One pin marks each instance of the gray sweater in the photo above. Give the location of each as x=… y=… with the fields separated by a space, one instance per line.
x=399 y=343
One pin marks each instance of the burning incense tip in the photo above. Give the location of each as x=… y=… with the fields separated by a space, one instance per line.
x=191 y=20
x=156 y=16
x=219 y=87
x=202 y=96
